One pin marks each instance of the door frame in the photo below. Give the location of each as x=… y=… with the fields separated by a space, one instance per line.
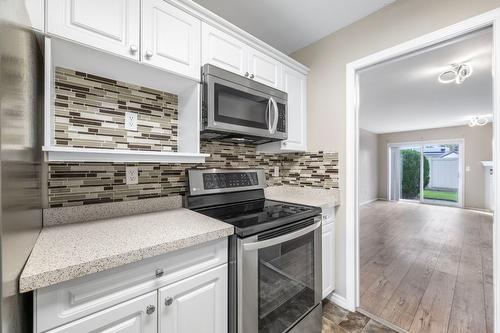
x=461 y=166
x=490 y=18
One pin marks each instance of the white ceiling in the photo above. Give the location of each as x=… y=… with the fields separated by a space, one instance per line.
x=290 y=25
x=404 y=94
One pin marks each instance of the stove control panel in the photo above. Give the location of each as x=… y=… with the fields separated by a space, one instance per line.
x=224 y=180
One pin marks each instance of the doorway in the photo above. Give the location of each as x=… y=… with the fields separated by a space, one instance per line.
x=352 y=300
x=427 y=172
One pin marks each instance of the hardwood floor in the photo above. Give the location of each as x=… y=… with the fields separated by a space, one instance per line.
x=427 y=268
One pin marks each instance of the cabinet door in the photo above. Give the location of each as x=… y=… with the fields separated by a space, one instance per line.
x=138 y=315
x=264 y=69
x=295 y=85
x=328 y=255
x=223 y=50
x=111 y=25
x=196 y=304
x=171 y=38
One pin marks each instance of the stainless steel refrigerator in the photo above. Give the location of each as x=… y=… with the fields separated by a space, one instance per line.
x=21 y=106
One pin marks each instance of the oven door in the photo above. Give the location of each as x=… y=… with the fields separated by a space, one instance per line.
x=238 y=109
x=279 y=278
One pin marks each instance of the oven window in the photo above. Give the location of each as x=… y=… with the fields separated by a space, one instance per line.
x=240 y=108
x=286 y=283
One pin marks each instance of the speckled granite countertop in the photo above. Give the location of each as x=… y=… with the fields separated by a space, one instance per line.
x=304 y=195
x=70 y=251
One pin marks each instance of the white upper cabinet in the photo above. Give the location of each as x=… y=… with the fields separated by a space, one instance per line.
x=264 y=69
x=196 y=304
x=295 y=85
x=223 y=50
x=111 y=25
x=171 y=38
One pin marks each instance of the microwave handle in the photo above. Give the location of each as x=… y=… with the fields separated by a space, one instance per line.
x=268 y=115
x=276 y=115
x=281 y=239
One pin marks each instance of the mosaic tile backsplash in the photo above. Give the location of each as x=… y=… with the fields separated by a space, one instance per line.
x=72 y=184
x=90 y=111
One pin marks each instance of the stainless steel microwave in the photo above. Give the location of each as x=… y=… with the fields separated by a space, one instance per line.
x=239 y=109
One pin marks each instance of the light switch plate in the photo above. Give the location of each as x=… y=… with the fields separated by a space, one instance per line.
x=132 y=175
x=276 y=172
x=131 y=121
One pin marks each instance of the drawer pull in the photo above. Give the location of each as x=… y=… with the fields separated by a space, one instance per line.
x=168 y=301
x=159 y=272
x=150 y=309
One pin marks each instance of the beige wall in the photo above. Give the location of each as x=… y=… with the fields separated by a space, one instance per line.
x=478 y=147
x=327 y=58
x=368 y=166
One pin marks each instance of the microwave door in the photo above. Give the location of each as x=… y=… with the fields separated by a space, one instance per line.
x=239 y=109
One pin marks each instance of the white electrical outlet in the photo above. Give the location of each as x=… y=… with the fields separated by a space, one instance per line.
x=132 y=175
x=276 y=172
x=131 y=121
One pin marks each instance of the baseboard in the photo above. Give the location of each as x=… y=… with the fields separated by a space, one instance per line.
x=368 y=201
x=340 y=301
x=480 y=210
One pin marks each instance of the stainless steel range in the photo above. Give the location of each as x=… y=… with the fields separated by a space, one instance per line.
x=274 y=256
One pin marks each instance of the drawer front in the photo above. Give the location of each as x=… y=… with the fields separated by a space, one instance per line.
x=138 y=315
x=328 y=214
x=68 y=301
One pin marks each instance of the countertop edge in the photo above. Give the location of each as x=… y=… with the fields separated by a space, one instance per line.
x=49 y=278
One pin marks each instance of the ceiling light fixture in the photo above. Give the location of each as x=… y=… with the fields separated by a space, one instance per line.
x=478 y=121
x=457 y=73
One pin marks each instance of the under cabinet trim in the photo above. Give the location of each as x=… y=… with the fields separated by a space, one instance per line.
x=63 y=154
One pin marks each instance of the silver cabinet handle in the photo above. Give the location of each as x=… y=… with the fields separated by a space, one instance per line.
x=246 y=74
x=280 y=239
x=159 y=272
x=150 y=309
x=169 y=300
x=252 y=76
x=276 y=114
x=133 y=49
x=149 y=53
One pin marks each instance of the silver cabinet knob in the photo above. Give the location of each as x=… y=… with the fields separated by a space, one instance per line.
x=150 y=309
x=246 y=74
x=159 y=272
x=133 y=49
x=169 y=300
x=252 y=76
x=149 y=53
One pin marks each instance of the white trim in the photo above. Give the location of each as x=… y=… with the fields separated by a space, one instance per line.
x=338 y=300
x=368 y=201
x=58 y=154
x=491 y=18
x=420 y=143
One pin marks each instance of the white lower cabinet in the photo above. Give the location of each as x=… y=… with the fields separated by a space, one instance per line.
x=196 y=304
x=139 y=315
x=328 y=257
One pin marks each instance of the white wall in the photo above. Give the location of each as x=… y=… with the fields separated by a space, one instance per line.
x=327 y=58
x=368 y=166
x=478 y=147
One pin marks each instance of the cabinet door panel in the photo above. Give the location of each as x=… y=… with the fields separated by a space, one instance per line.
x=328 y=255
x=264 y=68
x=223 y=50
x=171 y=38
x=196 y=304
x=111 y=25
x=295 y=85
x=128 y=317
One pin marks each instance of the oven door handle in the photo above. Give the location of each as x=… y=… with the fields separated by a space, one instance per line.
x=280 y=239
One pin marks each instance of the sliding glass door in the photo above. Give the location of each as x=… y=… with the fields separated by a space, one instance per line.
x=426 y=172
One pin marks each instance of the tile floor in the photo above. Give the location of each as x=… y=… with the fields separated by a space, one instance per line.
x=339 y=320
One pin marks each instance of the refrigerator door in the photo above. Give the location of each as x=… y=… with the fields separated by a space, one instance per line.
x=21 y=101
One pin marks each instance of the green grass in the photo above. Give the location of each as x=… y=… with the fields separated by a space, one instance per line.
x=441 y=195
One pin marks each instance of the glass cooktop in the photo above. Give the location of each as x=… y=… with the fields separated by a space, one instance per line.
x=251 y=217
